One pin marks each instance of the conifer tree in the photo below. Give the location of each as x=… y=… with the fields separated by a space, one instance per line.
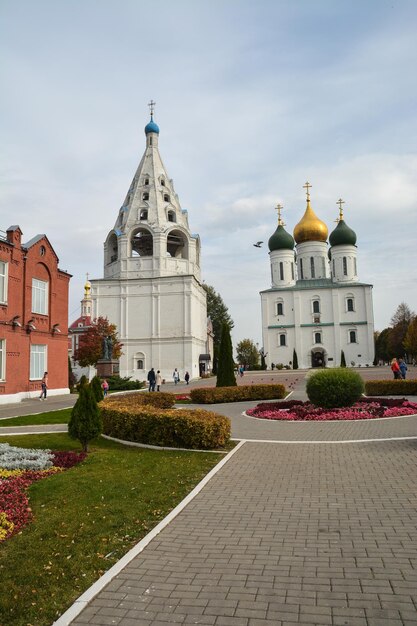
x=85 y=422
x=294 y=360
x=342 y=360
x=226 y=366
x=97 y=389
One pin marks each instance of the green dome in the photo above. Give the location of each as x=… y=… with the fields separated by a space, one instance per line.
x=280 y=240
x=342 y=235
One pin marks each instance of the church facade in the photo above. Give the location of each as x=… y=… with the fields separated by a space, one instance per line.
x=151 y=289
x=316 y=311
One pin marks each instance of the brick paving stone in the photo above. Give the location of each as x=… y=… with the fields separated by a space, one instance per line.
x=298 y=534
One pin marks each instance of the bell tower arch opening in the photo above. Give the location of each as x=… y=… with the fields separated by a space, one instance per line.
x=177 y=245
x=141 y=242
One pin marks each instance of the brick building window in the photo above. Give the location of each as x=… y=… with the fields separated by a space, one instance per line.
x=39 y=296
x=3 y=281
x=2 y=359
x=37 y=361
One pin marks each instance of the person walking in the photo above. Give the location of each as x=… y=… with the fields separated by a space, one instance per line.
x=175 y=376
x=151 y=379
x=395 y=368
x=187 y=377
x=403 y=368
x=44 y=385
x=158 y=380
x=105 y=387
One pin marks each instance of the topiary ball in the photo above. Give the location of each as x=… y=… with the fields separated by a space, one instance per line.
x=335 y=388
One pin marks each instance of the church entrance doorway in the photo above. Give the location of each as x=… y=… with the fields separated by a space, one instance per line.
x=317 y=358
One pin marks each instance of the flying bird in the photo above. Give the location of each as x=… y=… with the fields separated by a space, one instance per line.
x=258 y=244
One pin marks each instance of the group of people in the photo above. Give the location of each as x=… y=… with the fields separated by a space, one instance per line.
x=399 y=368
x=155 y=378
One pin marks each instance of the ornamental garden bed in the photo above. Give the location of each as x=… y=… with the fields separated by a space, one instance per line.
x=365 y=408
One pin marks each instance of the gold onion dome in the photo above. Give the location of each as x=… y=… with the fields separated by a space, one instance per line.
x=310 y=227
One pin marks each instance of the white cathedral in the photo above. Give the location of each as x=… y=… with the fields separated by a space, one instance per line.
x=152 y=287
x=316 y=307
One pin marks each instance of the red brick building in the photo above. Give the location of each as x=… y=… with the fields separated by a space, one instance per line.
x=33 y=317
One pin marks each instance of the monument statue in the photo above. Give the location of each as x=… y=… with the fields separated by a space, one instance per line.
x=107 y=348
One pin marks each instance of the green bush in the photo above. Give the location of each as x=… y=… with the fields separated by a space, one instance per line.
x=174 y=428
x=216 y=395
x=82 y=382
x=97 y=389
x=391 y=387
x=116 y=383
x=85 y=421
x=333 y=388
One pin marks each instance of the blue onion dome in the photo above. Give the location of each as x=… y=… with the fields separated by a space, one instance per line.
x=151 y=127
x=280 y=240
x=342 y=235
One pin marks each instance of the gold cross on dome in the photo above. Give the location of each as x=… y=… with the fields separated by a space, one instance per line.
x=279 y=208
x=307 y=186
x=340 y=202
x=151 y=106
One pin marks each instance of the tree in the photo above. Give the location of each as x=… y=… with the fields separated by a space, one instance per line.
x=85 y=422
x=226 y=367
x=219 y=314
x=294 y=360
x=342 y=359
x=71 y=376
x=410 y=339
x=399 y=323
x=247 y=353
x=90 y=348
x=97 y=389
x=382 y=350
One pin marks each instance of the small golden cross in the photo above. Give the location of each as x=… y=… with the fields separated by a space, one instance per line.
x=340 y=202
x=307 y=186
x=279 y=208
x=151 y=106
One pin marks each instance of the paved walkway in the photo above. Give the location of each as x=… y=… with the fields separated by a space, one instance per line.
x=290 y=530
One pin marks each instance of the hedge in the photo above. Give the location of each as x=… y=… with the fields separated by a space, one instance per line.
x=182 y=428
x=392 y=387
x=157 y=399
x=215 y=395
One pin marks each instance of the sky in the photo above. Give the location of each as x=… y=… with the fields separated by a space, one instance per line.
x=252 y=100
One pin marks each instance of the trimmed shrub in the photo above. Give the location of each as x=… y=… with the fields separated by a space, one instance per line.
x=116 y=383
x=391 y=387
x=333 y=388
x=174 y=428
x=157 y=399
x=85 y=421
x=342 y=359
x=82 y=382
x=294 y=360
x=215 y=395
x=97 y=389
x=226 y=366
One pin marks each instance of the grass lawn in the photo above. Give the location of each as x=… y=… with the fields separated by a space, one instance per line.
x=51 y=417
x=85 y=519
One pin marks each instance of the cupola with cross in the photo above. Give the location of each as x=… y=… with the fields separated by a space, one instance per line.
x=343 y=254
x=281 y=253
x=151 y=236
x=310 y=235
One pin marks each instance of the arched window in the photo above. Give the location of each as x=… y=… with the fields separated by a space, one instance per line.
x=344 y=266
x=281 y=270
x=166 y=197
x=316 y=306
x=177 y=245
x=162 y=182
x=141 y=242
x=280 y=308
x=317 y=337
x=301 y=269
x=312 y=268
x=112 y=248
x=171 y=216
x=139 y=364
x=146 y=181
x=282 y=339
x=349 y=304
x=355 y=267
x=352 y=336
x=292 y=271
x=144 y=214
x=145 y=196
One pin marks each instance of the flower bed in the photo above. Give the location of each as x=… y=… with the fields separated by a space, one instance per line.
x=295 y=410
x=15 y=478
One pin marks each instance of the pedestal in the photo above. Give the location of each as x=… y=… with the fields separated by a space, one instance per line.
x=107 y=367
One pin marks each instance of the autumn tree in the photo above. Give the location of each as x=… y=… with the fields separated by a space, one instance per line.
x=410 y=339
x=399 y=326
x=247 y=353
x=90 y=348
x=219 y=314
